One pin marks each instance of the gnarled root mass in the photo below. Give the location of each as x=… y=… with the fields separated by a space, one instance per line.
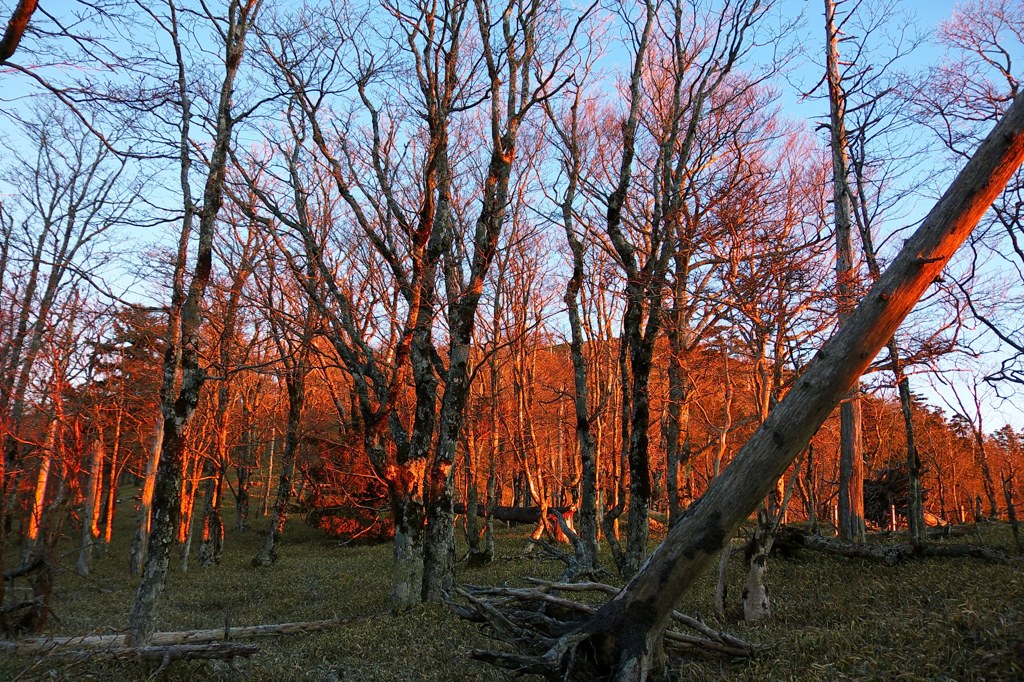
x=565 y=639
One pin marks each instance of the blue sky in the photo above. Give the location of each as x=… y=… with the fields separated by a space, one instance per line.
x=927 y=14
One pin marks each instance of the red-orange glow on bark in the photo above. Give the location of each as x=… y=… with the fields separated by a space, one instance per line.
x=16 y=28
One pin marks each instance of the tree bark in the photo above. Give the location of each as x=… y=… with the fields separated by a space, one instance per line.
x=138 y=553
x=851 y=453
x=624 y=638
x=296 y=384
x=16 y=26
x=42 y=479
x=91 y=508
x=184 y=355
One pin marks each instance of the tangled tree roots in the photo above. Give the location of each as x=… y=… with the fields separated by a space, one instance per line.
x=559 y=638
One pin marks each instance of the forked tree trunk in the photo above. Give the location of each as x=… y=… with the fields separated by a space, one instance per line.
x=624 y=638
x=178 y=403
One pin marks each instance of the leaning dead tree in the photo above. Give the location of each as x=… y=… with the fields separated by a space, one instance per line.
x=625 y=638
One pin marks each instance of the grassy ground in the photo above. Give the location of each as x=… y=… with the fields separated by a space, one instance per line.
x=833 y=619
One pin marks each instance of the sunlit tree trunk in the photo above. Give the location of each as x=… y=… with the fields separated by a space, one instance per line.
x=42 y=479
x=265 y=505
x=116 y=467
x=91 y=508
x=142 y=521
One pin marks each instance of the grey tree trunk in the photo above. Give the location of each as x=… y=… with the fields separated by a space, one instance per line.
x=469 y=470
x=508 y=107
x=265 y=505
x=296 y=385
x=624 y=638
x=851 y=454
x=586 y=515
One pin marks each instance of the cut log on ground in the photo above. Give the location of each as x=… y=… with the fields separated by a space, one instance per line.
x=165 y=654
x=791 y=538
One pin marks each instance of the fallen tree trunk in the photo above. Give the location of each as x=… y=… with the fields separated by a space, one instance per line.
x=890 y=555
x=166 y=653
x=624 y=640
x=512 y=514
x=539 y=607
x=42 y=645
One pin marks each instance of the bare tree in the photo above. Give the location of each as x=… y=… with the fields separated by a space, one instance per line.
x=179 y=400
x=64 y=203
x=851 y=458
x=689 y=73
x=970 y=414
x=623 y=638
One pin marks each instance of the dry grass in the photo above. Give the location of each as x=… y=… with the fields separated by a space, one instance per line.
x=939 y=619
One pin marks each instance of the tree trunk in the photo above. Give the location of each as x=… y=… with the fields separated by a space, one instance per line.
x=986 y=473
x=851 y=456
x=213 y=524
x=851 y=469
x=624 y=637
x=265 y=506
x=472 y=496
x=676 y=427
x=39 y=497
x=115 y=476
x=179 y=405
x=91 y=508
x=138 y=554
x=638 y=512
x=1011 y=511
x=296 y=384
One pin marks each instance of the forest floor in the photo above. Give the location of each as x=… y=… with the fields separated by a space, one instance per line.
x=833 y=618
